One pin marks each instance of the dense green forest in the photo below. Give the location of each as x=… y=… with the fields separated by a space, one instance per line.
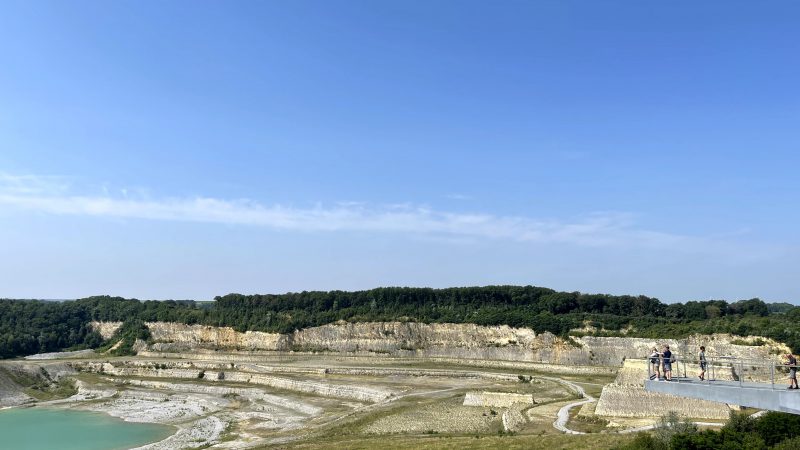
x=30 y=326
x=773 y=430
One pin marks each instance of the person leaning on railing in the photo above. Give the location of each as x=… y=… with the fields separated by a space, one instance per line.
x=655 y=366
x=791 y=361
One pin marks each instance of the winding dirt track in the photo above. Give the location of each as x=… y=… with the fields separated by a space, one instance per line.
x=563 y=414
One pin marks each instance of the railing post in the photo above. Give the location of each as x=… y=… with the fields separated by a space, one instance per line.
x=772 y=375
x=710 y=367
x=741 y=373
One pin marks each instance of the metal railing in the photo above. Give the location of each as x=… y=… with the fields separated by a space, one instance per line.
x=728 y=369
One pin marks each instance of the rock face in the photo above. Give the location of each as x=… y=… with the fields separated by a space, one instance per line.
x=615 y=350
x=193 y=336
x=626 y=397
x=106 y=329
x=14 y=377
x=513 y=419
x=463 y=341
x=10 y=392
x=393 y=336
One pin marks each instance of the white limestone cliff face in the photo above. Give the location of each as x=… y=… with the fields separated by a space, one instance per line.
x=463 y=341
x=615 y=350
x=222 y=337
x=392 y=336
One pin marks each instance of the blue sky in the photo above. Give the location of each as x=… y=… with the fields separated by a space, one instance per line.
x=191 y=149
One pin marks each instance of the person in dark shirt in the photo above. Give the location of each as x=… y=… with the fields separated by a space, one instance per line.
x=703 y=364
x=666 y=358
x=791 y=361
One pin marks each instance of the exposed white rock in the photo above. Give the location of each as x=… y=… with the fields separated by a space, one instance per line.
x=249 y=393
x=324 y=389
x=201 y=432
x=460 y=341
x=106 y=329
x=513 y=419
x=61 y=355
x=497 y=399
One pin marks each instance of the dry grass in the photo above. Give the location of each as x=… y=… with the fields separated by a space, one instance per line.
x=546 y=441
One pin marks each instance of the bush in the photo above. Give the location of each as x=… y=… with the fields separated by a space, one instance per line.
x=775 y=427
x=128 y=333
x=740 y=423
x=788 y=444
x=643 y=441
x=772 y=430
x=671 y=425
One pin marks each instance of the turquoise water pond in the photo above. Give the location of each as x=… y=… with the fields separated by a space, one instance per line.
x=49 y=429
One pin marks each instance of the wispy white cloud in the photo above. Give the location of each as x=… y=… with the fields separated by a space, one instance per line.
x=601 y=229
x=31 y=184
x=458 y=197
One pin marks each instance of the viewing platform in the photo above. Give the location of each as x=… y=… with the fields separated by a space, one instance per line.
x=755 y=384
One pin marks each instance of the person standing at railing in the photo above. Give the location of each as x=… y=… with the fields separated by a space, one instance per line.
x=667 y=358
x=702 y=358
x=655 y=364
x=791 y=361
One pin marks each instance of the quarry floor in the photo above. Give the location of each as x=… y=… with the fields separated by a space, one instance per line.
x=330 y=401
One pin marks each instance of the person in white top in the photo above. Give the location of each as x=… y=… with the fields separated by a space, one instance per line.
x=655 y=364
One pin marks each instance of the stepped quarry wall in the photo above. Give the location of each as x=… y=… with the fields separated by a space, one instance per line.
x=462 y=341
x=325 y=389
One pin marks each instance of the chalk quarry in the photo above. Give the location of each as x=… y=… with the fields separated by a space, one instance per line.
x=226 y=389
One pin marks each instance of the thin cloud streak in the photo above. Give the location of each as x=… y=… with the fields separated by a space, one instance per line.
x=607 y=229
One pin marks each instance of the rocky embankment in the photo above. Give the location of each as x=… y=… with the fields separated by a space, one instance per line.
x=11 y=392
x=626 y=397
x=16 y=377
x=60 y=355
x=461 y=341
x=497 y=399
x=321 y=388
